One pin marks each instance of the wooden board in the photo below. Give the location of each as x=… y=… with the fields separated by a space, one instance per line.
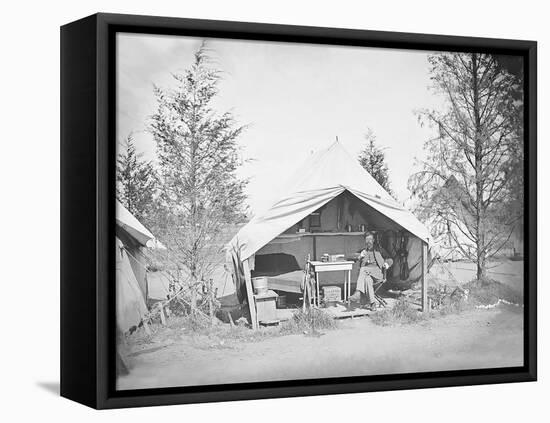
x=250 y=296
x=350 y=314
x=334 y=266
x=269 y=322
x=300 y=234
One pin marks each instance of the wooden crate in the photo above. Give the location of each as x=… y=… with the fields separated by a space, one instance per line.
x=331 y=293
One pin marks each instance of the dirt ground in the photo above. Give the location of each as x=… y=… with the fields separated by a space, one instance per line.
x=477 y=338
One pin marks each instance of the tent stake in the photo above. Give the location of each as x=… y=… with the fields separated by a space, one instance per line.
x=162 y=316
x=146 y=327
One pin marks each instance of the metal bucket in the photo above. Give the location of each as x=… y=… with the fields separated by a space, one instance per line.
x=260 y=285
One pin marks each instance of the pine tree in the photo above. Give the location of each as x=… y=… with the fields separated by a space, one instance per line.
x=200 y=191
x=136 y=181
x=373 y=160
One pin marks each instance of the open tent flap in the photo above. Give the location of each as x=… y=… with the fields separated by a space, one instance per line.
x=130 y=304
x=323 y=177
x=291 y=210
x=398 y=214
x=285 y=213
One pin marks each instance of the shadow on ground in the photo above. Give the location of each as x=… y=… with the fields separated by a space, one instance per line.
x=51 y=387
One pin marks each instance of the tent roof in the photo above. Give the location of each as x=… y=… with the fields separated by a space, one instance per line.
x=135 y=229
x=322 y=177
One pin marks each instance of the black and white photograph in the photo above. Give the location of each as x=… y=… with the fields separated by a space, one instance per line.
x=292 y=211
x=297 y=210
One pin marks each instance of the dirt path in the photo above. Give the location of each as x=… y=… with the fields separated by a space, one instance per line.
x=474 y=339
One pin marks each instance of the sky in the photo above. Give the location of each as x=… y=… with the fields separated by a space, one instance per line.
x=294 y=98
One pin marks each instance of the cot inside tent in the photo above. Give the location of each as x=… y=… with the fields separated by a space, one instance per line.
x=321 y=210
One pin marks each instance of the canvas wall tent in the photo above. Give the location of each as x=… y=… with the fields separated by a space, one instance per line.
x=131 y=275
x=135 y=229
x=135 y=238
x=130 y=302
x=333 y=182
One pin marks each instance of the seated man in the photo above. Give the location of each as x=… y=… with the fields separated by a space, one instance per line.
x=371 y=264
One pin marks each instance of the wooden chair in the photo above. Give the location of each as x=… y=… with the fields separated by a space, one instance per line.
x=378 y=285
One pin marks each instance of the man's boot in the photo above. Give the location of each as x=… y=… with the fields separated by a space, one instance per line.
x=356 y=297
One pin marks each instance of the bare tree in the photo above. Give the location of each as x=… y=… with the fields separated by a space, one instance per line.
x=465 y=181
x=198 y=155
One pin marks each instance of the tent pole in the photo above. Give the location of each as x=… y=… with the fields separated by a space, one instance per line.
x=250 y=296
x=425 y=307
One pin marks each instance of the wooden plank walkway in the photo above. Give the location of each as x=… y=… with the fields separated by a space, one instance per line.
x=337 y=313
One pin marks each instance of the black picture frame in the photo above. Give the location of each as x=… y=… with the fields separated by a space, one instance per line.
x=87 y=210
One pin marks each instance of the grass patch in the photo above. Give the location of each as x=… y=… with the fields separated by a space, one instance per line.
x=199 y=334
x=454 y=306
x=476 y=292
x=401 y=313
x=308 y=321
x=487 y=291
x=225 y=336
x=447 y=300
x=220 y=335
